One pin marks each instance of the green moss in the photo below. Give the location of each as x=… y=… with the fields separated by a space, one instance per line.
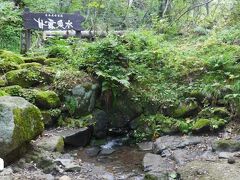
x=53 y=61
x=200 y=124
x=30 y=65
x=24 y=77
x=3 y=93
x=13 y=90
x=185 y=110
x=47 y=99
x=10 y=57
x=8 y=66
x=60 y=145
x=50 y=116
x=38 y=59
x=211 y=112
x=2 y=82
x=28 y=124
x=226 y=145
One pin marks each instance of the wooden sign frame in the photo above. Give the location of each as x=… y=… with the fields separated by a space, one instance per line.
x=48 y=21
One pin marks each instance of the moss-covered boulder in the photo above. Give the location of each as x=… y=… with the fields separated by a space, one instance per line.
x=24 y=77
x=8 y=56
x=185 y=109
x=8 y=66
x=53 y=61
x=20 y=122
x=3 y=82
x=201 y=124
x=15 y=90
x=47 y=99
x=38 y=59
x=231 y=145
x=213 y=112
x=30 y=77
x=30 y=65
x=3 y=93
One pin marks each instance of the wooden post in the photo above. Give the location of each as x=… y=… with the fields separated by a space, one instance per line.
x=25 y=37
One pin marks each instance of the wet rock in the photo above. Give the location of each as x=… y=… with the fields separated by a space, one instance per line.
x=50 y=143
x=68 y=164
x=20 y=122
x=101 y=121
x=84 y=97
x=93 y=151
x=231 y=160
x=156 y=166
x=107 y=151
x=76 y=137
x=173 y=142
x=145 y=146
x=231 y=145
x=221 y=170
x=181 y=156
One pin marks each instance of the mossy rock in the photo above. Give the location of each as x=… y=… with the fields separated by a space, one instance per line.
x=15 y=90
x=201 y=124
x=8 y=66
x=211 y=112
x=3 y=93
x=226 y=145
x=39 y=59
x=53 y=61
x=3 y=82
x=20 y=123
x=8 y=56
x=47 y=99
x=185 y=110
x=24 y=77
x=50 y=117
x=30 y=65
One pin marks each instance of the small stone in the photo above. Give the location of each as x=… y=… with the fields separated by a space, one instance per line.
x=106 y=151
x=231 y=161
x=93 y=151
x=65 y=178
x=145 y=146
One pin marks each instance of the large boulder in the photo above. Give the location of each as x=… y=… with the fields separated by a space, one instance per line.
x=20 y=122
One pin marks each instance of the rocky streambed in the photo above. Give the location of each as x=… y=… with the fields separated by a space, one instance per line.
x=168 y=157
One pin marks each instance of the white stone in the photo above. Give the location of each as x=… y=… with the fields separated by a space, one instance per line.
x=1 y=164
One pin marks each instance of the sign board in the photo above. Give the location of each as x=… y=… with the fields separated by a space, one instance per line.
x=52 y=21
x=48 y=22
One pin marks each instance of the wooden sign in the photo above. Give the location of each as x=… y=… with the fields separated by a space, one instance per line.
x=52 y=21
x=48 y=22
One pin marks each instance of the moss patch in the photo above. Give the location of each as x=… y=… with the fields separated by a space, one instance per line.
x=30 y=65
x=10 y=57
x=8 y=66
x=201 y=124
x=47 y=99
x=39 y=59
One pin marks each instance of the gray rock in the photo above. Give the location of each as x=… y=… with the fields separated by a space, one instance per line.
x=145 y=146
x=76 y=137
x=181 y=156
x=20 y=122
x=226 y=145
x=173 y=142
x=197 y=170
x=156 y=166
x=69 y=165
x=50 y=143
x=93 y=151
x=84 y=96
x=106 y=151
x=225 y=155
x=101 y=123
x=231 y=160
